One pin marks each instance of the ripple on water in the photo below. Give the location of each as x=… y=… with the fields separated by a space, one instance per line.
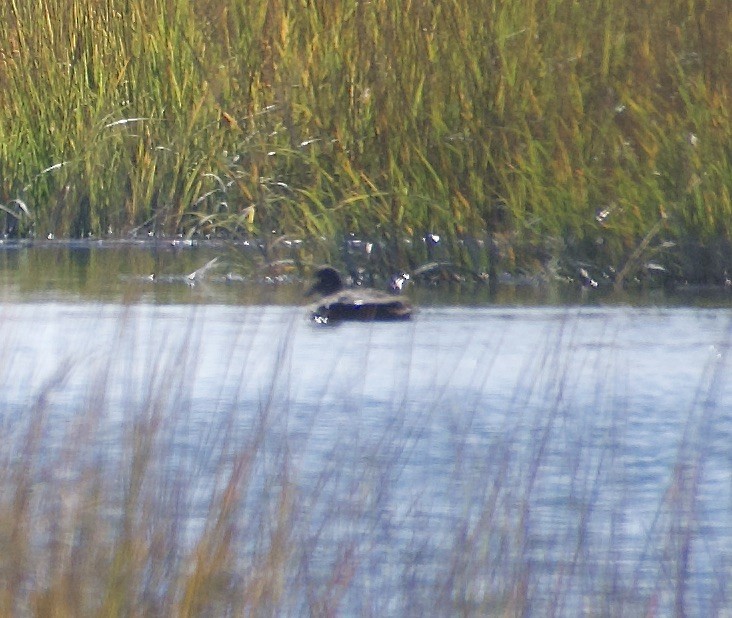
x=520 y=435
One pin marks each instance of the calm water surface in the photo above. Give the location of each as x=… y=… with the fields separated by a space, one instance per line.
x=572 y=445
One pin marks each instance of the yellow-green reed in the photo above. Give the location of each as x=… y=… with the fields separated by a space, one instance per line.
x=522 y=121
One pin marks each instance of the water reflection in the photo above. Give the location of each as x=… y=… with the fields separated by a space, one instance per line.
x=159 y=271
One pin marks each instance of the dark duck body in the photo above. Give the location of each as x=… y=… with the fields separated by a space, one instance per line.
x=338 y=303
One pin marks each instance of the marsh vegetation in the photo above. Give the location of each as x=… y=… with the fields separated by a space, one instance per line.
x=194 y=460
x=547 y=134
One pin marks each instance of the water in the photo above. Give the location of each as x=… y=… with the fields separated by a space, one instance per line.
x=575 y=457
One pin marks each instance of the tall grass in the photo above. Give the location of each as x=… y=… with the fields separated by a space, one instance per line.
x=551 y=128
x=125 y=488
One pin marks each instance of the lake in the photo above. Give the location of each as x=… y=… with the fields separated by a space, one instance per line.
x=483 y=458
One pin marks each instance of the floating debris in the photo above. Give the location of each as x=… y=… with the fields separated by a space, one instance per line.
x=199 y=274
x=436 y=272
x=398 y=282
x=586 y=280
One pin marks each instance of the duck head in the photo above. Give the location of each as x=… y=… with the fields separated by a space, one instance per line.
x=327 y=281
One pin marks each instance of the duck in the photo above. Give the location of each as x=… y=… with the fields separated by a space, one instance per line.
x=338 y=302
